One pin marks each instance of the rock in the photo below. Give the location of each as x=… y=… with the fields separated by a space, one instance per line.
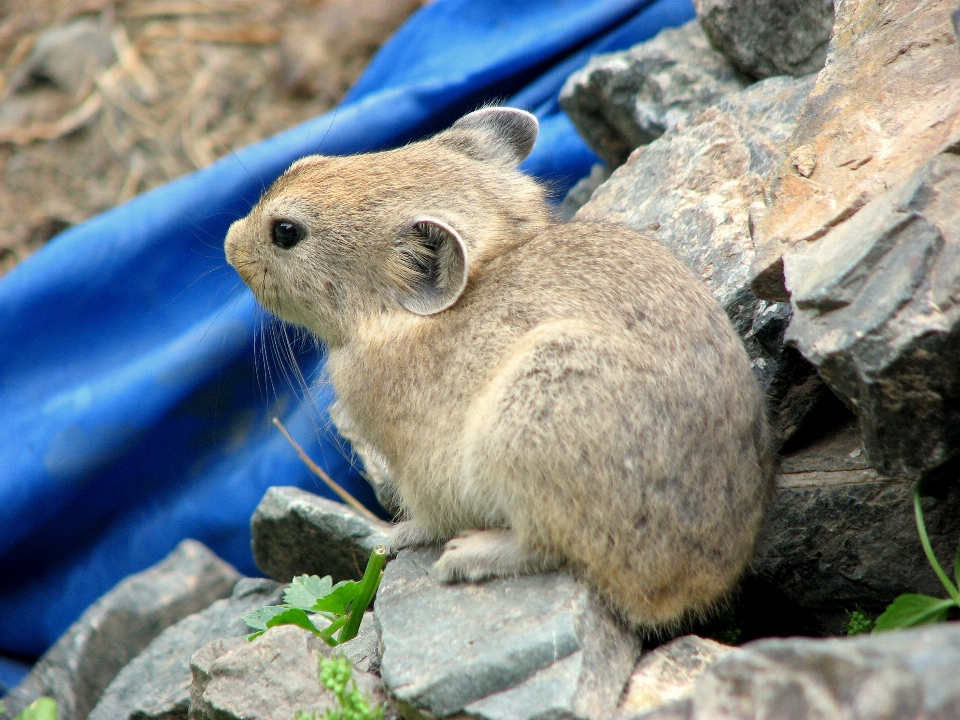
x=156 y=683
x=364 y=649
x=271 y=678
x=81 y=664
x=580 y=194
x=905 y=675
x=296 y=532
x=884 y=105
x=627 y=99
x=667 y=674
x=69 y=56
x=839 y=535
x=694 y=190
x=534 y=646
x=877 y=310
x=763 y=38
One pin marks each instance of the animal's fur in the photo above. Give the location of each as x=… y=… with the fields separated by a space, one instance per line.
x=583 y=394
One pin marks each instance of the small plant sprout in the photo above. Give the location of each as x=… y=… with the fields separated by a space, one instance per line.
x=911 y=609
x=44 y=708
x=859 y=622
x=336 y=676
x=308 y=597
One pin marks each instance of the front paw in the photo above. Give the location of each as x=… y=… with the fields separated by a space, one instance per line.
x=410 y=533
x=481 y=554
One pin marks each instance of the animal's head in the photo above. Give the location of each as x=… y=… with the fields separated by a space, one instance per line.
x=337 y=239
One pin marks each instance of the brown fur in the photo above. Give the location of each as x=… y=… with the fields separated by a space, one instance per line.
x=584 y=391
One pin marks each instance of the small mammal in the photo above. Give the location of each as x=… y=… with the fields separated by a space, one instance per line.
x=544 y=393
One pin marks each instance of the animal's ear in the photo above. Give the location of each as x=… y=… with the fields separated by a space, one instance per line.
x=433 y=266
x=494 y=133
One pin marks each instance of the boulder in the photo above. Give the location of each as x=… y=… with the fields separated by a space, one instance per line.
x=626 y=99
x=667 y=673
x=763 y=38
x=884 y=105
x=905 y=675
x=296 y=532
x=272 y=678
x=877 y=310
x=695 y=189
x=532 y=646
x=839 y=535
x=156 y=683
x=83 y=662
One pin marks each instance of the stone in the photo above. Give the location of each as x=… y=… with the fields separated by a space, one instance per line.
x=877 y=311
x=271 y=678
x=885 y=103
x=763 y=38
x=364 y=649
x=580 y=194
x=69 y=56
x=667 y=673
x=83 y=662
x=904 y=675
x=533 y=646
x=623 y=100
x=839 y=535
x=296 y=532
x=156 y=683
x=695 y=190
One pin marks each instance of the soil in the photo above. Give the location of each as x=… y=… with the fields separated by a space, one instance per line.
x=101 y=101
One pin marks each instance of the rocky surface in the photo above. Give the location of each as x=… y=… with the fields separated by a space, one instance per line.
x=626 y=99
x=156 y=683
x=839 y=535
x=694 y=189
x=667 y=674
x=271 y=678
x=877 y=310
x=896 y=675
x=885 y=103
x=533 y=646
x=82 y=663
x=296 y=532
x=763 y=38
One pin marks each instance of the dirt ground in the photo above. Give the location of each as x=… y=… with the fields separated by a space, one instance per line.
x=101 y=101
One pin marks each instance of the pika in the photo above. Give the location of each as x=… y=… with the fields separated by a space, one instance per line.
x=543 y=393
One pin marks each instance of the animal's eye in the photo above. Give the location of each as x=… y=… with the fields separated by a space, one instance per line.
x=286 y=234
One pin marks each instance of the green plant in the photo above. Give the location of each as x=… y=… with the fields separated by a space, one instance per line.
x=308 y=596
x=911 y=609
x=40 y=709
x=858 y=622
x=336 y=674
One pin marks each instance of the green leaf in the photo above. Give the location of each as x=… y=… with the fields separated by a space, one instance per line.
x=258 y=618
x=305 y=590
x=338 y=600
x=294 y=616
x=40 y=709
x=910 y=610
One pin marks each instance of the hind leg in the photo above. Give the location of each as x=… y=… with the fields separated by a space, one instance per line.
x=481 y=554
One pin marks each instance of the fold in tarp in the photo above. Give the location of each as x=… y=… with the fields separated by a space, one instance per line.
x=137 y=375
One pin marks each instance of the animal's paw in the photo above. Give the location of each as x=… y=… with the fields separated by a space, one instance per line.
x=410 y=533
x=482 y=554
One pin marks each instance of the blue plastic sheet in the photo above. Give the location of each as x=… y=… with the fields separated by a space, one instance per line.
x=138 y=376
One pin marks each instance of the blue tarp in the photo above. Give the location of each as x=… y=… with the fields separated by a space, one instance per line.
x=137 y=375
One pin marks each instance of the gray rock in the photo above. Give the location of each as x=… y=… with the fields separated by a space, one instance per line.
x=763 y=38
x=838 y=535
x=895 y=675
x=156 y=683
x=626 y=99
x=537 y=646
x=270 y=678
x=694 y=190
x=877 y=310
x=364 y=649
x=69 y=56
x=580 y=194
x=667 y=674
x=296 y=532
x=81 y=664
